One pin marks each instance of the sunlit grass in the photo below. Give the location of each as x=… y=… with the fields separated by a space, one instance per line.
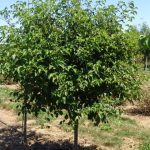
x=110 y=134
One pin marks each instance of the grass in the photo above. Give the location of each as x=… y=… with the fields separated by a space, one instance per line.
x=145 y=146
x=6 y=102
x=5 y=98
x=110 y=135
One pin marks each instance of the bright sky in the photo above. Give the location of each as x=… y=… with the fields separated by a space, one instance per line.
x=142 y=16
x=143 y=11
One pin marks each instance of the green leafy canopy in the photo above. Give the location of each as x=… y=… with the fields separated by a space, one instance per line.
x=70 y=55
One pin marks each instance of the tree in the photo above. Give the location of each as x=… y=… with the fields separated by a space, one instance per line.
x=134 y=36
x=145 y=48
x=144 y=29
x=29 y=57
x=70 y=56
x=145 y=32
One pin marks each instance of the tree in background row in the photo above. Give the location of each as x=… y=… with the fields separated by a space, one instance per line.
x=144 y=43
x=145 y=48
x=144 y=29
x=140 y=39
x=70 y=56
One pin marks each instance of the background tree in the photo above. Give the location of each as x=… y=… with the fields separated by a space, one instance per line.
x=134 y=36
x=144 y=29
x=70 y=55
x=144 y=48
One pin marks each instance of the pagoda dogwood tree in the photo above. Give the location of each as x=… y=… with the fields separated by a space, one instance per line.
x=70 y=55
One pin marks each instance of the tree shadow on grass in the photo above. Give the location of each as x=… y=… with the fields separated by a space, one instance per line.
x=11 y=139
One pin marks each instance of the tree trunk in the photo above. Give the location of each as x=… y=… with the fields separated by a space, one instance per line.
x=25 y=124
x=145 y=62
x=76 y=135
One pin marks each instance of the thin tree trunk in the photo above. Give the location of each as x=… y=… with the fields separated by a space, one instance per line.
x=145 y=62
x=76 y=135
x=25 y=124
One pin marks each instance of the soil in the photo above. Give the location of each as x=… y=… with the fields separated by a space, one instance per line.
x=55 y=137
x=52 y=137
x=11 y=86
x=7 y=117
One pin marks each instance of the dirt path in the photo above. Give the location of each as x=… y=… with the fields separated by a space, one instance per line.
x=143 y=121
x=7 y=118
x=134 y=112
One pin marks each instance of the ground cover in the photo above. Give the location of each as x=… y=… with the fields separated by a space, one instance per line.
x=130 y=131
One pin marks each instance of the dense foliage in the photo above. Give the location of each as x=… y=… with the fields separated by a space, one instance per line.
x=70 y=55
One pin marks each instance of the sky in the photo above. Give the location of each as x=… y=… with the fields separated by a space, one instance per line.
x=143 y=12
